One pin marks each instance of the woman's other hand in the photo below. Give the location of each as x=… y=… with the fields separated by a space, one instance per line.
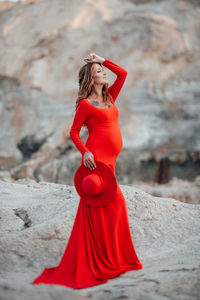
x=88 y=160
x=92 y=57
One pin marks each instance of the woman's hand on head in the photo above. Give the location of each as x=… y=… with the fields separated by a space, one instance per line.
x=88 y=160
x=92 y=57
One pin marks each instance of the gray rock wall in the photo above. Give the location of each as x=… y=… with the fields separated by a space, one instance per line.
x=157 y=42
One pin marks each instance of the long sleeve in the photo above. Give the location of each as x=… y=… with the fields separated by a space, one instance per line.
x=81 y=115
x=121 y=73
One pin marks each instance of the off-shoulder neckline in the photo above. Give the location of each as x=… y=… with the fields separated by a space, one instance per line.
x=98 y=107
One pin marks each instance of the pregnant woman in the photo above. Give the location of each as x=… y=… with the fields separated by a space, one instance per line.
x=100 y=246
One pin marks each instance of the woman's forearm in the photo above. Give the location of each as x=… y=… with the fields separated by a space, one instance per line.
x=121 y=73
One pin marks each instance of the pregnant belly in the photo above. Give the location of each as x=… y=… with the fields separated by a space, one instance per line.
x=107 y=140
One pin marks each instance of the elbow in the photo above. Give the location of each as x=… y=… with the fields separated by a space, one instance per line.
x=71 y=134
x=124 y=73
x=74 y=133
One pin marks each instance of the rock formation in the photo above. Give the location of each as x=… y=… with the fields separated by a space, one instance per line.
x=36 y=221
x=42 y=46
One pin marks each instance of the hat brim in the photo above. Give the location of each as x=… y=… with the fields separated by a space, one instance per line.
x=109 y=184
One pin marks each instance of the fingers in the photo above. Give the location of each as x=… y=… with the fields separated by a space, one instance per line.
x=90 y=57
x=90 y=165
x=89 y=161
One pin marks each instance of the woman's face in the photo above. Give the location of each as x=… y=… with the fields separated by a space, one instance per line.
x=99 y=75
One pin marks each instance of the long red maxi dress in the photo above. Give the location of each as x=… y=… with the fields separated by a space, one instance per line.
x=100 y=245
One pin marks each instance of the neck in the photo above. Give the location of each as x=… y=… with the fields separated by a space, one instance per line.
x=97 y=92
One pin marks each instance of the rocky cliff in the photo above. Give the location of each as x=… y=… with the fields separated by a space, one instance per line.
x=42 y=45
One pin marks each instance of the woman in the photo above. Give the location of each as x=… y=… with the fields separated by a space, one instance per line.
x=100 y=245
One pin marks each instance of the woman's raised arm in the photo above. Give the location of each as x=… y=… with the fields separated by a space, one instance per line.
x=121 y=73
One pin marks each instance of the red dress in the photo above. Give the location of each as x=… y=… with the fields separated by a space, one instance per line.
x=100 y=245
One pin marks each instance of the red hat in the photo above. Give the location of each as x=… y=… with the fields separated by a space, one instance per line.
x=97 y=187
